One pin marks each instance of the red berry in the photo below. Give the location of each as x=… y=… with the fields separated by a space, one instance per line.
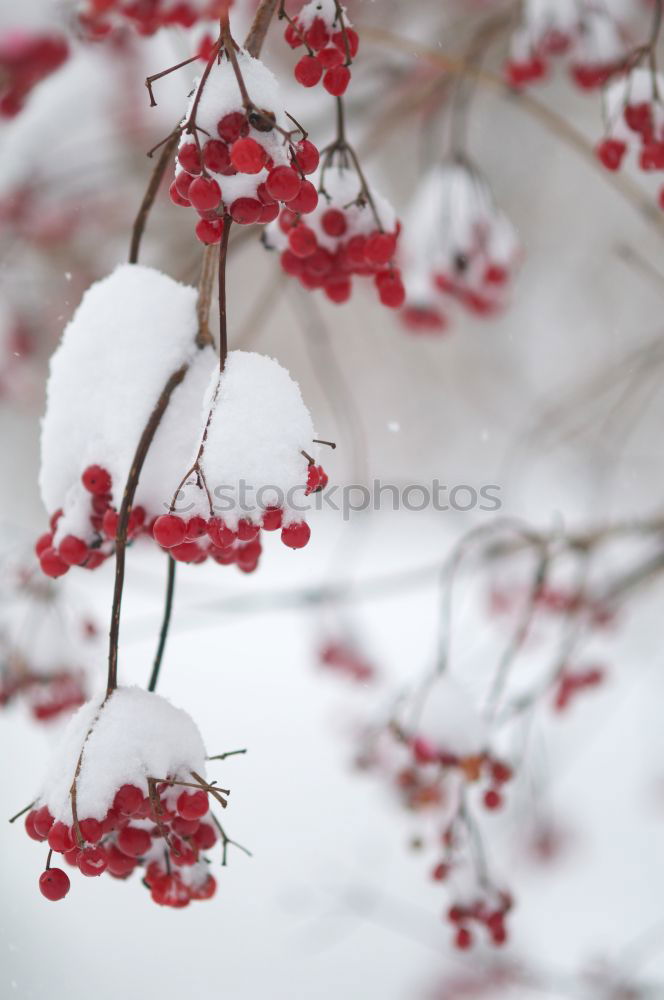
x=306 y=200
x=248 y=156
x=91 y=830
x=334 y=222
x=216 y=156
x=118 y=863
x=128 y=800
x=232 y=126
x=336 y=80
x=96 y=480
x=245 y=211
x=219 y=533
x=352 y=39
x=110 y=523
x=272 y=518
x=60 y=838
x=268 y=213
x=302 y=241
x=176 y=197
x=205 y=837
x=391 y=290
x=307 y=156
x=44 y=541
x=209 y=231
x=338 y=290
x=189 y=158
x=296 y=535
x=42 y=821
x=293 y=36
x=54 y=884
x=330 y=57
x=92 y=861
x=169 y=530
x=51 y=563
x=133 y=841
x=204 y=194
x=30 y=828
x=188 y=552
x=207 y=890
x=317 y=36
x=500 y=772
x=379 y=248
x=610 y=152
x=196 y=528
x=247 y=530
x=493 y=799
x=73 y=550
x=183 y=182
x=463 y=939
x=283 y=183
x=440 y=872
x=639 y=118
x=192 y=805
x=308 y=71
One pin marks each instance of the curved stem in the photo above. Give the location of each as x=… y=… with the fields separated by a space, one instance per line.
x=223 y=324
x=151 y=193
x=165 y=623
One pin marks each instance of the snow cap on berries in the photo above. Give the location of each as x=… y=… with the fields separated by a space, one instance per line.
x=445 y=716
x=127 y=738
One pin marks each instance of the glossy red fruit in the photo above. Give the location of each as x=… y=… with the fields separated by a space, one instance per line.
x=204 y=194
x=317 y=36
x=92 y=861
x=296 y=535
x=196 y=528
x=128 y=800
x=192 y=805
x=209 y=231
x=169 y=530
x=96 y=479
x=308 y=71
x=302 y=241
x=205 y=837
x=54 y=884
x=338 y=291
x=176 y=197
x=306 y=200
x=73 y=550
x=134 y=841
x=219 y=533
x=336 y=80
x=351 y=41
x=183 y=182
x=52 y=564
x=30 y=828
x=44 y=542
x=610 y=153
x=283 y=183
x=60 y=838
x=91 y=830
x=248 y=156
x=118 y=864
x=109 y=523
x=245 y=211
x=379 y=248
x=232 y=126
x=334 y=222
x=43 y=821
x=272 y=518
x=307 y=156
x=189 y=158
x=492 y=799
x=216 y=156
x=331 y=56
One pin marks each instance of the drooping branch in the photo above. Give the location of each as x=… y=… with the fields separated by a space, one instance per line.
x=166 y=621
x=151 y=193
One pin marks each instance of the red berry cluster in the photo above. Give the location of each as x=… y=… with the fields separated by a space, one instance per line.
x=57 y=559
x=476 y=768
x=482 y=296
x=327 y=250
x=331 y=44
x=166 y=837
x=240 y=148
x=24 y=61
x=488 y=914
x=98 y=17
x=344 y=658
x=47 y=696
x=556 y=601
x=572 y=682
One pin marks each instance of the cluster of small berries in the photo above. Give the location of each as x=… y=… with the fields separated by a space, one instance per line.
x=585 y=33
x=554 y=600
x=98 y=18
x=473 y=768
x=323 y=28
x=24 y=61
x=344 y=658
x=488 y=914
x=47 y=696
x=343 y=237
x=572 y=682
x=165 y=836
x=240 y=149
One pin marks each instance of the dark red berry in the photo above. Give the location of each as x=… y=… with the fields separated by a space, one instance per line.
x=204 y=194
x=128 y=800
x=52 y=564
x=216 y=156
x=296 y=535
x=232 y=126
x=334 y=222
x=169 y=530
x=54 y=884
x=248 y=156
x=308 y=71
x=73 y=550
x=192 y=805
x=209 y=231
x=92 y=861
x=283 y=183
x=96 y=480
x=336 y=80
x=133 y=841
x=246 y=211
x=306 y=200
x=189 y=158
x=60 y=838
x=302 y=241
x=307 y=156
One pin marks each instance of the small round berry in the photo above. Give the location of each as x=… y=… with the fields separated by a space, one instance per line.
x=209 y=231
x=317 y=36
x=219 y=533
x=96 y=480
x=307 y=156
x=30 y=828
x=51 y=563
x=246 y=211
x=91 y=830
x=118 y=864
x=296 y=535
x=169 y=530
x=330 y=56
x=54 y=884
x=73 y=550
x=336 y=80
x=247 y=530
x=60 y=838
x=308 y=71
x=306 y=200
x=334 y=222
x=610 y=153
x=352 y=39
x=44 y=542
x=293 y=36
x=183 y=182
x=463 y=939
x=196 y=528
x=272 y=518
x=338 y=290
x=500 y=772
x=232 y=126
x=176 y=197
x=216 y=156
x=283 y=183
x=268 y=213
x=92 y=861
x=204 y=194
x=390 y=290
x=133 y=841
x=379 y=248
x=493 y=799
x=189 y=158
x=128 y=800
x=205 y=837
x=192 y=805
x=187 y=552
x=43 y=821
x=302 y=241
x=248 y=156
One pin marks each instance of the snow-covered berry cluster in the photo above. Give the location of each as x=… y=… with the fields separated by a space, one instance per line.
x=126 y=791
x=458 y=246
x=587 y=34
x=323 y=28
x=342 y=656
x=234 y=453
x=635 y=122
x=25 y=59
x=249 y=165
x=352 y=232
x=98 y=18
x=572 y=682
x=488 y=912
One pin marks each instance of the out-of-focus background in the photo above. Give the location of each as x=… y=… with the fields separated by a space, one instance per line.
x=556 y=400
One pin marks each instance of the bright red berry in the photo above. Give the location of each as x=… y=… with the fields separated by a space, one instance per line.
x=610 y=152
x=209 y=231
x=216 y=156
x=296 y=535
x=336 y=80
x=307 y=156
x=133 y=841
x=331 y=56
x=302 y=241
x=43 y=821
x=44 y=542
x=283 y=183
x=463 y=939
x=52 y=564
x=246 y=211
x=317 y=36
x=493 y=799
x=60 y=838
x=219 y=533
x=54 y=884
x=73 y=550
x=91 y=830
x=30 y=828
x=128 y=800
x=338 y=290
x=308 y=71
x=169 y=530
x=192 y=805
x=334 y=222
x=96 y=480
x=176 y=197
x=352 y=39
x=196 y=528
x=272 y=518
x=306 y=200
x=248 y=156
x=189 y=158
x=232 y=126
x=92 y=861
x=204 y=194
x=379 y=248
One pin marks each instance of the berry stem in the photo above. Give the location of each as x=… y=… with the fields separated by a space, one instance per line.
x=204 y=301
x=223 y=322
x=226 y=841
x=31 y=804
x=165 y=623
x=165 y=72
x=150 y=195
x=219 y=756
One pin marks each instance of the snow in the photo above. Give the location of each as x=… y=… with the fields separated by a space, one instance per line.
x=132 y=736
x=259 y=428
x=444 y=714
x=639 y=86
x=130 y=332
x=326 y=10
